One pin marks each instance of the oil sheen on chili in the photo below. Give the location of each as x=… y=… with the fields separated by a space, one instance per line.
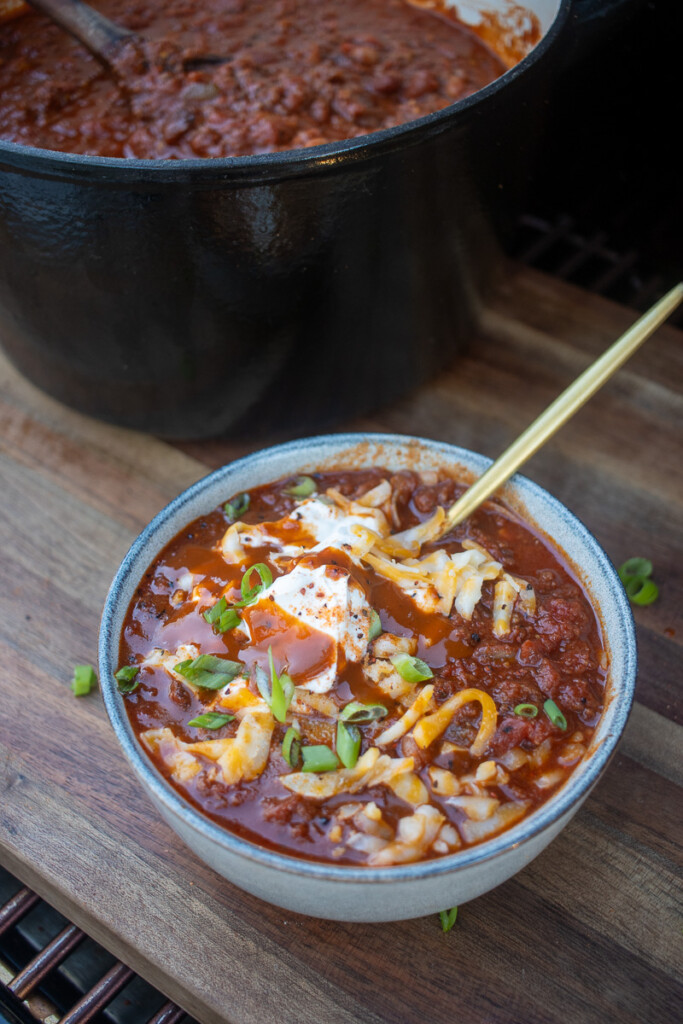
x=293 y=73
x=316 y=668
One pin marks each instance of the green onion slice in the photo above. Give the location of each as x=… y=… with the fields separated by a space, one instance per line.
x=250 y=594
x=319 y=759
x=375 y=625
x=635 y=567
x=447 y=918
x=127 y=678
x=291 y=747
x=641 y=590
x=526 y=710
x=84 y=679
x=237 y=507
x=215 y=611
x=356 y=713
x=228 y=620
x=413 y=670
x=635 y=575
x=555 y=715
x=281 y=690
x=262 y=684
x=211 y=720
x=209 y=671
x=221 y=617
x=348 y=744
x=303 y=487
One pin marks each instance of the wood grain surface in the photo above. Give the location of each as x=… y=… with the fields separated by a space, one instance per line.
x=589 y=933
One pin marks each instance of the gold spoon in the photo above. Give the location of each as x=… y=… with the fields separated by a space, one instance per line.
x=562 y=409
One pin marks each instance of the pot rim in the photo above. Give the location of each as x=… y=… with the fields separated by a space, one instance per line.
x=620 y=631
x=287 y=163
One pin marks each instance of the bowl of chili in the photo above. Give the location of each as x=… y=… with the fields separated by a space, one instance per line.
x=414 y=744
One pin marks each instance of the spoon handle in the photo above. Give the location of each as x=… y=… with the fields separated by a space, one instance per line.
x=97 y=33
x=563 y=408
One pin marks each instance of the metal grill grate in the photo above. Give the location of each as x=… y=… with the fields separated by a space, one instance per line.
x=556 y=247
x=50 y=971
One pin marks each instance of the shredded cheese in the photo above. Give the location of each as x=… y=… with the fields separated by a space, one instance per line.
x=372 y=769
x=418 y=708
x=245 y=755
x=414 y=836
x=431 y=726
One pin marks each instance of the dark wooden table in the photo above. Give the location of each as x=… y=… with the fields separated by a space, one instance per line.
x=589 y=932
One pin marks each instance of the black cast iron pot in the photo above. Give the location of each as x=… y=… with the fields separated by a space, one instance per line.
x=274 y=293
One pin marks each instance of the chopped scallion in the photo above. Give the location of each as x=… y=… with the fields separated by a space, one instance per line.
x=215 y=611
x=221 y=617
x=413 y=670
x=251 y=594
x=646 y=593
x=211 y=720
x=237 y=507
x=526 y=710
x=356 y=713
x=447 y=918
x=281 y=690
x=127 y=678
x=291 y=747
x=635 y=575
x=303 y=487
x=228 y=620
x=84 y=679
x=635 y=567
x=209 y=671
x=555 y=715
x=262 y=684
x=348 y=744
x=375 y=625
x=319 y=759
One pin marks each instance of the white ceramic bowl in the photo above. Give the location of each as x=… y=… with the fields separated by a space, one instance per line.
x=344 y=892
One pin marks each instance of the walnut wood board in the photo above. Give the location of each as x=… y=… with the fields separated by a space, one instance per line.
x=589 y=932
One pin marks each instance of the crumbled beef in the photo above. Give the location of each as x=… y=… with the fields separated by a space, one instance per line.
x=514 y=731
x=179 y=695
x=291 y=810
x=402 y=486
x=548 y=678
x=427 y=497
x=577 y=657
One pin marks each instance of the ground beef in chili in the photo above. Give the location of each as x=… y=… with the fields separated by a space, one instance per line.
x=298 y=73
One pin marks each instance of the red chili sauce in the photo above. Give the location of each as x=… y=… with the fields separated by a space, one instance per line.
x=551 y=652
x=297 y=73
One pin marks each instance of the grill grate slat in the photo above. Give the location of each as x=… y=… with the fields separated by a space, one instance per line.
x=100 y=995
x=29 y=988
x=556 y=247
x=168 y=1014
x=49 y=958
x=16 y=908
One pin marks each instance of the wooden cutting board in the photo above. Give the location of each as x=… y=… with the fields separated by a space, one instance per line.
x=589 y=932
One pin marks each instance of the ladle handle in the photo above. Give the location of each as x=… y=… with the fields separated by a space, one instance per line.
x=97 y=33
x=564 y=406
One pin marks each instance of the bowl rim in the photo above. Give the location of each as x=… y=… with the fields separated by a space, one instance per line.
x=286 y=163
x=571 y=794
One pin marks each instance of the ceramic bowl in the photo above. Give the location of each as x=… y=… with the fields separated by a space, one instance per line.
x=345 y=892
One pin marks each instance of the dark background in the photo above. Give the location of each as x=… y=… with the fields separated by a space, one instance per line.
x=608 y=167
